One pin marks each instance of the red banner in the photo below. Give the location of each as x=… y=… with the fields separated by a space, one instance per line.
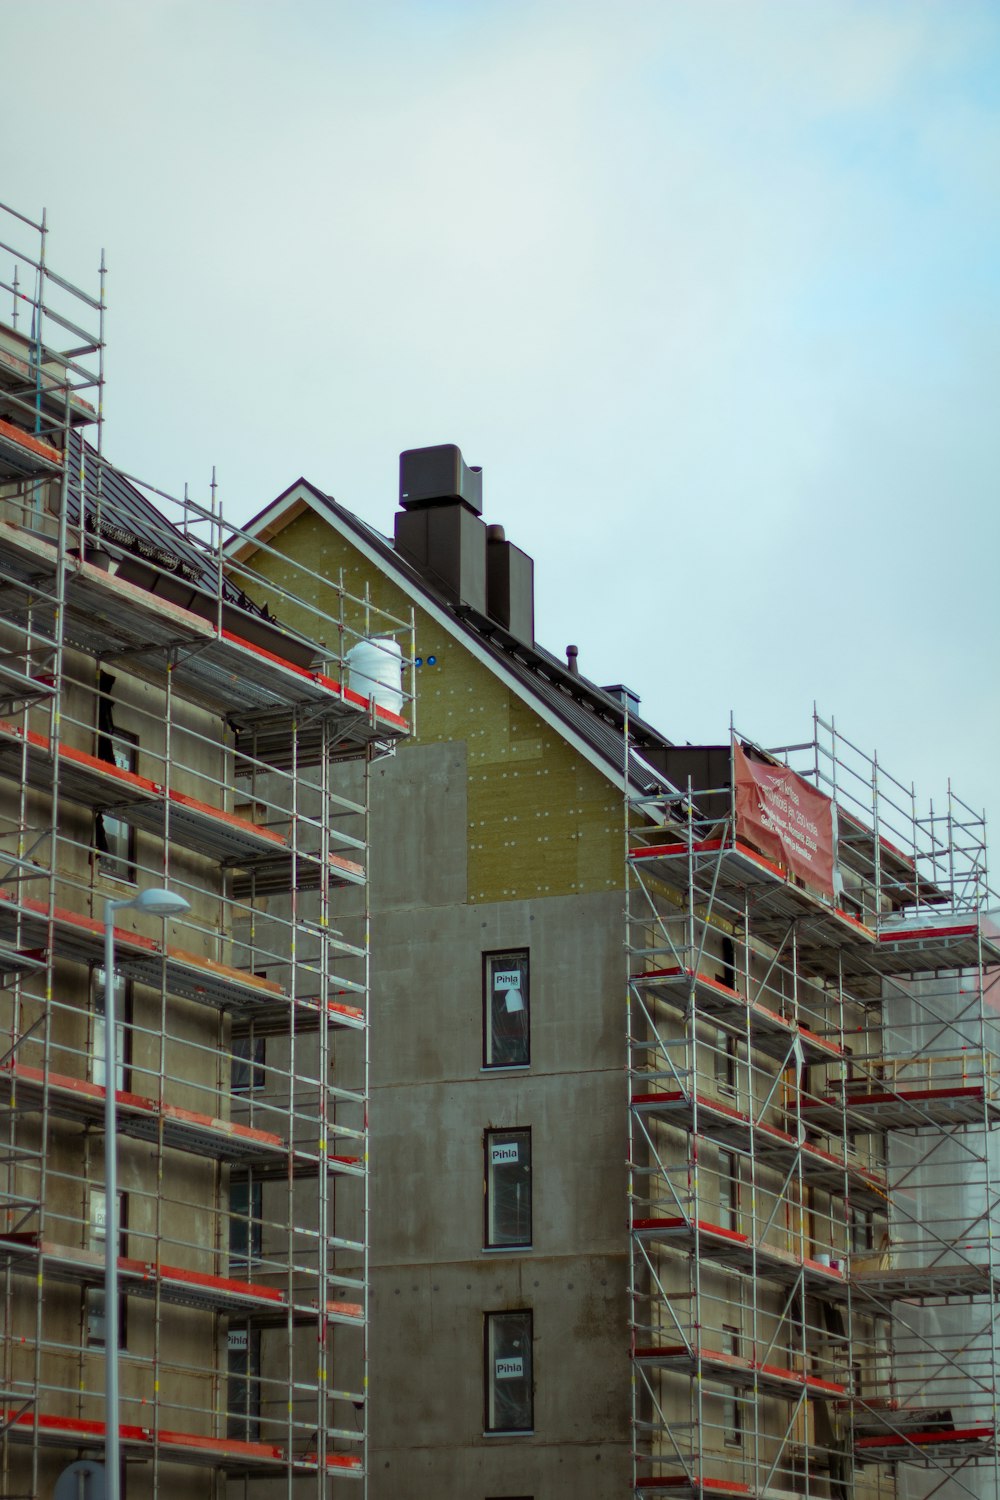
x=788 y=820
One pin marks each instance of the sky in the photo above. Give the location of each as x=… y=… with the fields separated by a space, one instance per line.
x=709 y=288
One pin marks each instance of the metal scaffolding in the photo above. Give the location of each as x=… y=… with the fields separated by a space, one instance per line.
x=812 y=1145
x=159 y=727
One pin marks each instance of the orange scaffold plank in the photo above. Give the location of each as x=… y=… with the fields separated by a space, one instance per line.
x=230 y=674
x=147 y=804
x=138 y=1115
x=731 y=1369
x=903 y=1108
x=175 y=1284
x=22 y=454
x=184 y=974
x=728 y=1247
x=769 y=1031
x=691 y=1485
x=957 y=1445
x=779 y=1148
x=183 y=1447
x=728 y=867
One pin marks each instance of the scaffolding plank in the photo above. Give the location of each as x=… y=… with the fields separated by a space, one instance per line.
x=956 y=1446
x=934 y=1283
x=870 y=1108
x=692 y=1487
x=726 y=871
x=23 y=456
x=18 y=686
x=732 y=1369
x=31 y=1254
x=777 y=1036
x=231 y=1454
x=146 y=804
x=738 y=1252
x=837 y=1175
x=184 y=974
x=140 y=1117
x=229 y=674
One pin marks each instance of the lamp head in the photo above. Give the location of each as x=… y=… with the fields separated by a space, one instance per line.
x=161 y=903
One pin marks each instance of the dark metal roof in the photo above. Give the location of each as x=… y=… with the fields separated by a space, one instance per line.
x=124 y=518
x=595 y=715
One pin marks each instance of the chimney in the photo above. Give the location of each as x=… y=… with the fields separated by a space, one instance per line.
x=439 y=529
x=510 y=586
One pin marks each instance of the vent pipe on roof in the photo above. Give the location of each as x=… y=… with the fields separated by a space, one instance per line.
x=572 y=652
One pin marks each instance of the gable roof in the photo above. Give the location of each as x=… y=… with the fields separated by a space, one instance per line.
x=592 y=720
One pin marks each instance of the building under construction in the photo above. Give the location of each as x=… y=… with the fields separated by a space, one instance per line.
x=802 y=1296
x=159 y=729
x=813 y=1166
x=773 y=1224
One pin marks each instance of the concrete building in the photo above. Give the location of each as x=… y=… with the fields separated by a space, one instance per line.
x=158 y=729
x=644 y=1116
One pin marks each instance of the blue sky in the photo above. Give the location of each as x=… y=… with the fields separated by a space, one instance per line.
x=709 y=289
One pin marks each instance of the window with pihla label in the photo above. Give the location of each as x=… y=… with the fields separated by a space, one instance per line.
x=508 y=1188
x=506 y=1010
x=509 y=1394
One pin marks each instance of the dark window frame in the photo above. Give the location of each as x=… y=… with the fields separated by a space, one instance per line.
x=243 y=1380
x=119 y=863
x=124 y=1018
x=498 y=1136
x=93 y=1296
x=494 y=962
x=248 y=1065
x=733 y=1428
x=246 y=1224
x=492 y=1417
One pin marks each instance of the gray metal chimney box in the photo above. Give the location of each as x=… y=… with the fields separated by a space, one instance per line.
x=447 y=543
x=510 y=588
x=437 y=476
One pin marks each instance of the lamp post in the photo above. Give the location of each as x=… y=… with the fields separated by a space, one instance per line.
x=161 y=903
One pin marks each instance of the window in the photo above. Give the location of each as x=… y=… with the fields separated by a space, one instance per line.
x=123 y=1029
x=114 y=838
x=733 y=1416
x=728 y=975
x=729 y=1189
x=246 y=1208
x=862 y=1231
x=246 y=1069
x=508 y=1188
x=509 y=1398
x=727 y=1061
x=243 y=1392
x=94 y=1305
x=505 y=1010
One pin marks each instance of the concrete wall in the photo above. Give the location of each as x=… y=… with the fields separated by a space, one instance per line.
x=432 y=1101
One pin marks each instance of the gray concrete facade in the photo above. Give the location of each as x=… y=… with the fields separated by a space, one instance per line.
x=433 y=1282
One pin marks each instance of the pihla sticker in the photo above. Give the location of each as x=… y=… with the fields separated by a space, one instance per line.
x=501 y=1155
x=507 y=979
x=510 y=1369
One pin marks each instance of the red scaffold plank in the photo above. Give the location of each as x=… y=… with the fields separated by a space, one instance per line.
x=733 y=1369
x=385 y=715
x=183 y=1447
x=77 y=1098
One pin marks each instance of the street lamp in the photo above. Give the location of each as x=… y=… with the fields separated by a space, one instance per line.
x=160 y=903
